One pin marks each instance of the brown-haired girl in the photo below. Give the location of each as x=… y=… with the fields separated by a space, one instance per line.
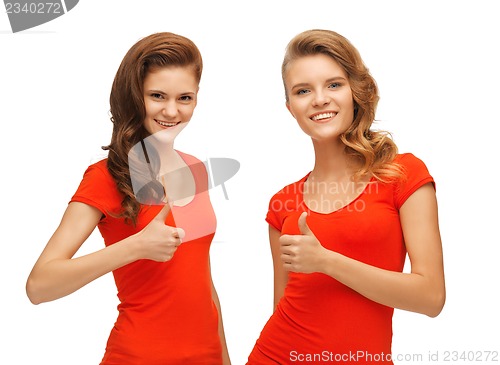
x=169 y=312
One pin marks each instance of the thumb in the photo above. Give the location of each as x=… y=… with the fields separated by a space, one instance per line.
x=162 y=215
x=304 y=228
x=181 y=233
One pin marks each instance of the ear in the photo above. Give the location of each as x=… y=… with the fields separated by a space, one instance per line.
x=287 y=104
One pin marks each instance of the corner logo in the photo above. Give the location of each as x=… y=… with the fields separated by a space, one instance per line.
x=28 y=14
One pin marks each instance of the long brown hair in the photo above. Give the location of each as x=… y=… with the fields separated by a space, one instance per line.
x=127 y=107
x=372 y=151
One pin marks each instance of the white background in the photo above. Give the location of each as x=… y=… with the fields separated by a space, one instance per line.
x=436 y=63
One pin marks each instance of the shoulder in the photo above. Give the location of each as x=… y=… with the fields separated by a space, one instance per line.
x=101 y=165
x=409 y=161
x=97 y=180
x=413 y=168
x=98 y=188
x=98 y=171
x=188 y=158
x=291 y=189
x=415 y=175
x=288 y=195
x=286 y=201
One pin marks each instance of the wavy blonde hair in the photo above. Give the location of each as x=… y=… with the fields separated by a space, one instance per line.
x=373 y=152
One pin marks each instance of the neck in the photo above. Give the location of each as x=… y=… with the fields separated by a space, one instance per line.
x=330 y=161
x=164 y=150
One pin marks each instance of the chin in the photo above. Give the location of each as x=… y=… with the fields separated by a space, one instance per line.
x=168 y=135
x=163 y=136
x=331 y=137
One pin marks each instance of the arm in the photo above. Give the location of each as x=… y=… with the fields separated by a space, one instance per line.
x=280 y=274
x=225 y=353
x=422 y=290
x=56 y=274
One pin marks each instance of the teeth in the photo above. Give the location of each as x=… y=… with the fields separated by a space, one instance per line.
x=323 y=116
x=166 y=124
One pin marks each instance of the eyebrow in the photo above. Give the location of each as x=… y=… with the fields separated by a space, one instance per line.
x=332 y=79
x=154 y=91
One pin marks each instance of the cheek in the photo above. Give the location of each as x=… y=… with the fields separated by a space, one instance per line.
x=349 y=100
x=297 y=109
x=150 y=108
x=347 y=103
x=188 y=110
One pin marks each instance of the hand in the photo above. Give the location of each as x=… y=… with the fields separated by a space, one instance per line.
x=158 y=241
x=303 y=252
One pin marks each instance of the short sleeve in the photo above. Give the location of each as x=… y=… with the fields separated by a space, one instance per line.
x=273 y=216
x=285 y=202
x=97 y=188
x=416 y=175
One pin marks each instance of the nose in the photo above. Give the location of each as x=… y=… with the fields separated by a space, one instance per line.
x=170 y=110
x=321 y=98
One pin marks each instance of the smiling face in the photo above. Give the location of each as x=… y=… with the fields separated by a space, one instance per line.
x=319 y=96
x=170 y=96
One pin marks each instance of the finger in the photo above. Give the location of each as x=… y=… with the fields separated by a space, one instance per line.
x=287 y=264
x=286 y=240
x=304 y=228
x=285 y=251
x=286 y=258
x=163 y=214
x=180 y=233
x=288 y=250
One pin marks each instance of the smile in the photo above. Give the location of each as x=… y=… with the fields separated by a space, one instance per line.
x=166 y=124
x=323 y=116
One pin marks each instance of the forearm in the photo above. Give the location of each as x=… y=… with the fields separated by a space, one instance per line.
x=57 y=278
x=408 y=291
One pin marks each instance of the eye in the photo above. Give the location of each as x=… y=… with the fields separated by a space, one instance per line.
x=186 y=98
x=157 y=96
x=302 y=91
x=334 y=85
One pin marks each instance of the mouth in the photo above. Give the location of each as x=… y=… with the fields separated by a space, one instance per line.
x=166 y=124
x=323 y=117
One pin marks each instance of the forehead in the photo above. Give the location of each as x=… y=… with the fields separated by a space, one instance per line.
x=170 y=76
x=313 y=67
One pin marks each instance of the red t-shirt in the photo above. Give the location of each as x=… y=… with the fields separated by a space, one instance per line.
x=320 y=320
x=166 y=311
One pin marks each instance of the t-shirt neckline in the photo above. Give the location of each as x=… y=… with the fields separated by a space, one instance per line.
x=342 y=208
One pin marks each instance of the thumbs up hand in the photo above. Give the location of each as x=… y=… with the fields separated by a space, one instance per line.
x=303 y=252
x=157 y=241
